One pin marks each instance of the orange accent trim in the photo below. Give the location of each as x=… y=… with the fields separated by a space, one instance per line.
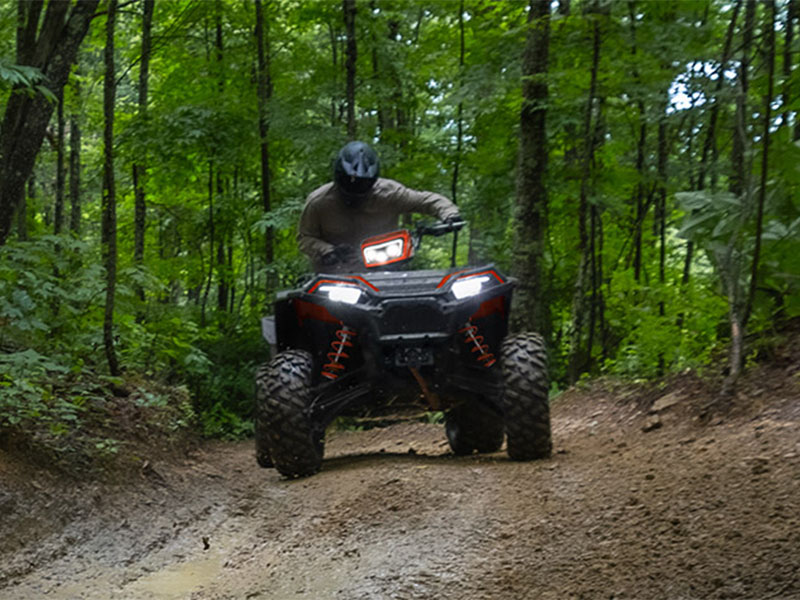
x=343 y=282
x=336 y=281
x=489 y=307
x=469 y=276
x=365 y=282
x=308 y=310
x=447 y=278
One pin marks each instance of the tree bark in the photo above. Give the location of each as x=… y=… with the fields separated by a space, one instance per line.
x=788 y=39
x=577 y=362
x=58 y=213
x=765 y=139
x=264 y=97
x=730 y=263
x=109 y=203
x=709 y=145
x=530 y=223
x=75 y=167
x=349 y=7
x=52 y=48
x=140 y=165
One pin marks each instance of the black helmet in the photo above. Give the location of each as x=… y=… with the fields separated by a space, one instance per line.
x=355 y=171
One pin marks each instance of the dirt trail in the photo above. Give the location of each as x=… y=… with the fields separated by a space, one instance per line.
x=680 y=511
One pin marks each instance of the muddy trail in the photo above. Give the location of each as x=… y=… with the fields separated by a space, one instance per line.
x=642 y=499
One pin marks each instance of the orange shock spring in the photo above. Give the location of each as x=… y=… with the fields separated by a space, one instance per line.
x=472 y=337
x=334 y=366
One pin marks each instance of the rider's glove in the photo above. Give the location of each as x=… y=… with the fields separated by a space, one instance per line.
x=341 y=253
x=455 y=221
x=345 y=253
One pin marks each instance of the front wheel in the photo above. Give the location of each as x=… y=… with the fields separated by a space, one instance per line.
x=525 y=377
x=285 y=435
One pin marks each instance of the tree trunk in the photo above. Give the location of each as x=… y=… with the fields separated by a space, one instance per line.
x=52 y=48
x=576 y=360
x=530 y=223
x=109 y=203
x=765 y=139
x=349 y=7
x=641 y=147
x=788 y=41
x=709 y=146
x=211 y=244
x=75 y=167
x=140 y=165
x=222 y=275
x=459 y=124
x=264 y=97
x=731 y=264
x=58 y=213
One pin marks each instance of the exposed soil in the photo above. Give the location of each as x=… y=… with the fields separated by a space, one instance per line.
x=644 y=498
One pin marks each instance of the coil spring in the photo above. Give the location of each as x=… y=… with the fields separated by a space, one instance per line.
x=472 y=337
x=333 y=368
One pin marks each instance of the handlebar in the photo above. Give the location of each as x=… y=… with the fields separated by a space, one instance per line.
x=439 y=229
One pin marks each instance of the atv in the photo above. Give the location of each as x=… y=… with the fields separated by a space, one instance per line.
x=347 y=340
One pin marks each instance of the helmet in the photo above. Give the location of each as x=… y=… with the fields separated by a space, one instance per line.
x=355 y=171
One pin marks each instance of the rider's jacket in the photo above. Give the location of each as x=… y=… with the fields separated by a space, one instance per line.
x=328 y=221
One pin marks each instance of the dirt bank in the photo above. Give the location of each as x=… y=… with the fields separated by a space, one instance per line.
x=640 y=500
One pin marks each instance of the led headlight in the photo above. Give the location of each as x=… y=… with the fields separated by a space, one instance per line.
x=383 y=253
x=349 y=294
x=468 y=286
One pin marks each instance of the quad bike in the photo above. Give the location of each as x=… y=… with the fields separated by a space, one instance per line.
x=353 y=339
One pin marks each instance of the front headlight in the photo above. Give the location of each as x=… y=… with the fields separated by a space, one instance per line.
x=349 y=294
x=383 y=253
x=468 y=286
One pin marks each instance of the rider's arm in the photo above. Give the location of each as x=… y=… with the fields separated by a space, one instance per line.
x=429 y=203
x=309 y=233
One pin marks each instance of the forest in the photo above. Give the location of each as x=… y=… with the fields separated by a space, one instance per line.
x=635 y=164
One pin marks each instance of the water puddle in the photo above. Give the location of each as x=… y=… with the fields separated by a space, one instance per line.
x=177 y=582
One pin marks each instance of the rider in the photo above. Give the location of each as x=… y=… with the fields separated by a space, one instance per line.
x=358 y=204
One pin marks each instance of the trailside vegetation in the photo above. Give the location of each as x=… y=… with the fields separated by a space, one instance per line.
x=636 y=164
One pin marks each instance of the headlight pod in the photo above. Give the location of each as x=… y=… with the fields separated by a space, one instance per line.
x=385 y=249
x=349 y=294
x=469 y=286
x=383 y=253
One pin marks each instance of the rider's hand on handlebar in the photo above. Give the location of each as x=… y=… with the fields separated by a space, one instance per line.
x=455 y=221
x=345 y=253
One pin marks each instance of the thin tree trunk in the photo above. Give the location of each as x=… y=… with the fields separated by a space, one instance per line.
x=22 y=211
x=765 y=139
x=709 y=146
x=222 y=275
x=52 y=48
x=349 y=7
x=75 y=167
x=335 y=78
x=788 y=39
x=530 y=224
x=264 y=97
x=459 y=123
x=731 y=265
x=211 y=243
x=109 y=208
x=460 y=109
x=639 y=190
x=576 y=361
x=140 y=166
x=58 y=213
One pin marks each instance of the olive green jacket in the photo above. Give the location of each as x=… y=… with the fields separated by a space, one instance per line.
x=327 y=221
